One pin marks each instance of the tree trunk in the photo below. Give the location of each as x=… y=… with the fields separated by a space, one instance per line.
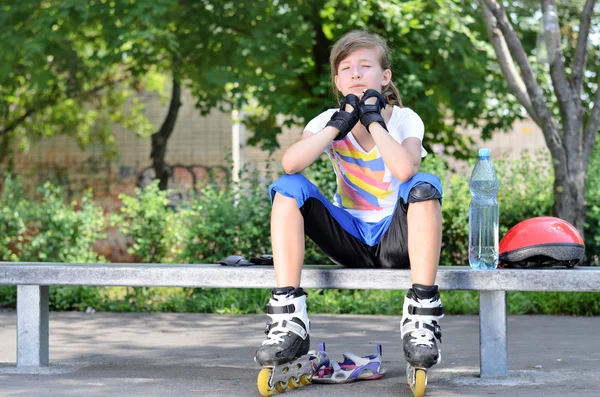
x=569 y=195
x=161 y=137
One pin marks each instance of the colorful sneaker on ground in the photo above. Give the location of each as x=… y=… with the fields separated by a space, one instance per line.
x=351 y=369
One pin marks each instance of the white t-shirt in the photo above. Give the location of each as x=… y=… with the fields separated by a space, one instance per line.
x=366 y=188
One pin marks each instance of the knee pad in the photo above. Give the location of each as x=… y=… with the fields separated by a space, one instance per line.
x=423 y=192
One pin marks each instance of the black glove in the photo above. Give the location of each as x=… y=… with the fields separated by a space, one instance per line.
x=342 y=120
x=371 y=113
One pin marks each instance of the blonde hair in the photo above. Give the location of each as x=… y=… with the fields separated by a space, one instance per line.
x=355 y=40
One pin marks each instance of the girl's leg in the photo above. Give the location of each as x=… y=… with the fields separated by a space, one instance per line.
x=422 y=307
x=424 y=240
x=289 y=327
x=287 y=240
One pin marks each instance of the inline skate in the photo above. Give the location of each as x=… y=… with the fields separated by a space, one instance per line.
x=284 y=354
x=420 y=333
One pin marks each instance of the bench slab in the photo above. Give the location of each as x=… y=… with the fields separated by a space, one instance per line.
x=217 y=276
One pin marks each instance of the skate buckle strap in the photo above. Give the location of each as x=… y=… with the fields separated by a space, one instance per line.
x=434 y=327
x=287 y=309
x=426 y=311
x=286 y=326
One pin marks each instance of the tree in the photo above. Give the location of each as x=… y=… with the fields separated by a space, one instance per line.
x=569 y=112
x=281 y=62
x=73 y=68
x=60 y=75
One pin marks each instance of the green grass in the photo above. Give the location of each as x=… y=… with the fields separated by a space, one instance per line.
x=245 y=301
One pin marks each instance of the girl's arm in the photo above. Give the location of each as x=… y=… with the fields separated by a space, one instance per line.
x=403 y=159
x=304 y=152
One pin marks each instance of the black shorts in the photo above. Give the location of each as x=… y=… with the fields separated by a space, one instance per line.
x=346 y=250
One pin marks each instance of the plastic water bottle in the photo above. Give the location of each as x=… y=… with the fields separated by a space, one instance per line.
x=483 y=214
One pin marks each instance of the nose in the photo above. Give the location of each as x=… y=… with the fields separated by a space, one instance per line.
x=356 y=73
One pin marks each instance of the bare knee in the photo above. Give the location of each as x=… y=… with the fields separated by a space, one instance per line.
x=429 y=205
x=284 y=208
x=281 y=200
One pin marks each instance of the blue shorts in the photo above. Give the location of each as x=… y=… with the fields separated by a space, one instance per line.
x=347 y=240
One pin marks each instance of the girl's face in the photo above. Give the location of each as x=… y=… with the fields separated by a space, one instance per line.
x=361 y=71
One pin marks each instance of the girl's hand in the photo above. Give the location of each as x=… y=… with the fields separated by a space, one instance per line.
x=369 y=110
x=346 y=118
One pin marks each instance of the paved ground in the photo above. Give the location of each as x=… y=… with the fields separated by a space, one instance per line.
x=161 y=354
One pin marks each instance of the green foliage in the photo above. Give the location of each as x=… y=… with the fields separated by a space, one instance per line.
x=72 y=65
x=253 y=301
x=8 y=296
x=592 y=199
x=228 y=220
x=60 y=232
x=50 y=230
x=73 y=298
x=151 y=224
x=561 y=303
x=12 y=223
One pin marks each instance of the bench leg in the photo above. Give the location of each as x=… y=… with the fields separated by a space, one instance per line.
x=32 y=325
x=493 y=353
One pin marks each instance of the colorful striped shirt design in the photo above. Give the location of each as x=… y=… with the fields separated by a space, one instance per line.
x=360 y=177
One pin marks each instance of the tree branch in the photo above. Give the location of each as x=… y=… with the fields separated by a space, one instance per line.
x=591 y=129
x=549 y=128
x=53 y=99
x=581 y=51
x=564 y=94
x=515 y=83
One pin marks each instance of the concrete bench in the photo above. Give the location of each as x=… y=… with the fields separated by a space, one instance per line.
x=33 y=279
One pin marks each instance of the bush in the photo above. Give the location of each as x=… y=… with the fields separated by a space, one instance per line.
x=12 y=218
x=49 y=230
x=230 y=220
x=59 y=232
x=151 y=224
x=592 y=199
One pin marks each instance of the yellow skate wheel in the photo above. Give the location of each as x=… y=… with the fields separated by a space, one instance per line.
x=418 y=388
x=263 y=382
x=306 y=380
x=280 y=386
x=293 y=383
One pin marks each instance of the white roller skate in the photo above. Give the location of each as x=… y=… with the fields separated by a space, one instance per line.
x=284 y=354
x=420 y=333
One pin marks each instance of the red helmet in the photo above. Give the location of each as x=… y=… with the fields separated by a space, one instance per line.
x=541 y=241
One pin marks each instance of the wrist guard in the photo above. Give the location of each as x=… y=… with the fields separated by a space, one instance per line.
x=342 y=120
x=371 y=113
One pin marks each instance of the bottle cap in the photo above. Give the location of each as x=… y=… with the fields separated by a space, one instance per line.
x=484 y=152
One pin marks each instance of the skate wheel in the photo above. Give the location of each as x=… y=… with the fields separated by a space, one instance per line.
x=306 y=380
x=280 y=386
x=417 y=381
x=263 y=382
x=293 y=383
